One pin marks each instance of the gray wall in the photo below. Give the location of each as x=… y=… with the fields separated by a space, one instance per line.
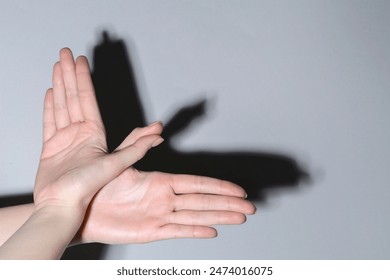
x=308 y=80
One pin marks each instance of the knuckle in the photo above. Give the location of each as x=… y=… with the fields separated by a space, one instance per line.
x=136 y=130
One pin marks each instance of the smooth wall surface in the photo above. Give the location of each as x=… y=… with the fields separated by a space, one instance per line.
x=306 y=81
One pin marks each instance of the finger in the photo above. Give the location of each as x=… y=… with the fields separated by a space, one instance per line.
x=154 y=128
x=60 y=106
x=184 y=184
x=171 y=231
x=110 y=166
x=206 y=202
x=133 y=153
x=86 y=92
x=49 y=124
x=207 y=218
x=69 y=76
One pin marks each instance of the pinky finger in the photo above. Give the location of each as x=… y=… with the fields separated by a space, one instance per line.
x=174 y=231
x=49 y=124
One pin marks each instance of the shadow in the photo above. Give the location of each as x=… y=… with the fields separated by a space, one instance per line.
x=13 y=200
x=116 y=91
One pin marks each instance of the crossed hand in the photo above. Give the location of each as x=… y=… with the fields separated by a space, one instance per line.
x=117 y=203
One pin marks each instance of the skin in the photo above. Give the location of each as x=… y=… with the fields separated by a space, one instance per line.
x=83 y=194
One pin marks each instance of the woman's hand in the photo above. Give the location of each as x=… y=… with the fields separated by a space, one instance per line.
x=139 y=207
x=74 y=163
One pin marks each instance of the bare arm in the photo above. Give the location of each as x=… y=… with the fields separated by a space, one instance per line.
x=12 y=218
x=44 y=235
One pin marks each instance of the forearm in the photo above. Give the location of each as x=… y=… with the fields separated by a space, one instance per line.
x=12 y=218
x=45 y=235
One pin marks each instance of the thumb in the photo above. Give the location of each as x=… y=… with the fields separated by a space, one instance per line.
x=129 y=155
x=112 y=165
x=108 y=167
x=154 y=128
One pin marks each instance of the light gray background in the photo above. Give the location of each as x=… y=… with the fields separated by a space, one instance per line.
x=309 y=79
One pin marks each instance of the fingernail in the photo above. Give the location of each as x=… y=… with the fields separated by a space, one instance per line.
x=157 y=142
x=154 y=123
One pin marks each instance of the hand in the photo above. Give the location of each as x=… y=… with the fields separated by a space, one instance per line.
x=139 y=207
x=74 y=162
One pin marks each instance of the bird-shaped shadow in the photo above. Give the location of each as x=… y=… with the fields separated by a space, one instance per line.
x=122 y=111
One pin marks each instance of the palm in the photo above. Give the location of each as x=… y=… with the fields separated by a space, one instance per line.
x=71 y=147
x=128 y=209
x=80 y=136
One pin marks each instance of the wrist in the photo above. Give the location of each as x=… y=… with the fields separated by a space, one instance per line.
x=45 y=235
x=62 y=213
